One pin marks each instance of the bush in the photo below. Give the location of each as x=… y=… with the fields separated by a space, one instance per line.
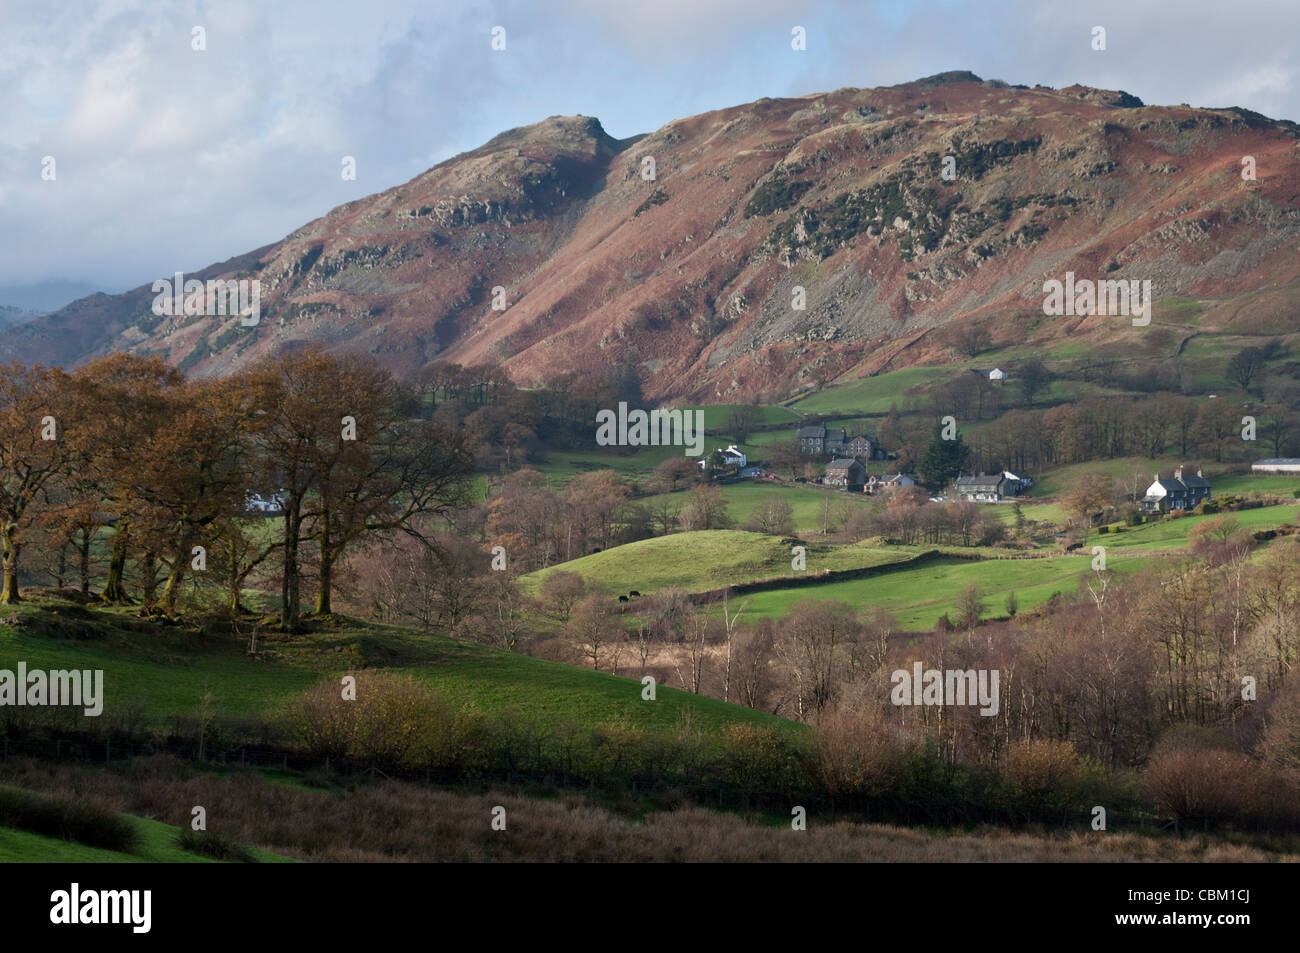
x=67 y=819
x=1217 y=786
x=215 y=845
x=1049 y=780
x=394 y=720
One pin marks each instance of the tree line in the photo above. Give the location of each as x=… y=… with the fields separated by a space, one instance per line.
x=125 y=474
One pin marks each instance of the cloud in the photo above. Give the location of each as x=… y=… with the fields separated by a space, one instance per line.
x=170 y=158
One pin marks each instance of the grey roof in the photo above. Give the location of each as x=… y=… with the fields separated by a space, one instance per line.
x=1274 y=461
x=1194 y=480
x=842 y=463
x=1173 y=486
x=981 y=480
x=812 y=431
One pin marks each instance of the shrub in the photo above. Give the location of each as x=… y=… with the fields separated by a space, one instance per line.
x=853 y=760
x=393 y=720
x=215 y=845
x=1048 y=778
x=1216 y=786
x=67 y=819
x=757 y=760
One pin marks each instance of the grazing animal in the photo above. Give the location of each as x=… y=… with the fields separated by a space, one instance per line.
x=634 y=594
x=622 y=598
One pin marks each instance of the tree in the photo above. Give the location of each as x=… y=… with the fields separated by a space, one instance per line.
x=560 y=591
x=596 y=501
x=197 y=480
x=592 y=626
x=1244 y=366
x=130 y=395
x=1088 y=495
x=785 y=455
x=813 y=651
x=706 y=509
x=35 y=404
x=774 y=515
x=742 y=420
x=675 y=473
x=972 y=339
x=943 y=459
x=1033 y=376
x=301 y=411
x=970 y=606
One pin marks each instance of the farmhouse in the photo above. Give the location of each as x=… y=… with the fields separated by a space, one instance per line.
x=996 y=374
x=1178 y=493
x=990 y=488
x=818 y=438
x=837 y=442
x=888 y=483
x=730 y=456
x=863 y=446
x=844 y=471
x=1276 y=465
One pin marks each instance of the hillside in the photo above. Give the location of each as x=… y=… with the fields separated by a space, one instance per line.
x=157 y=671
x=690 y=277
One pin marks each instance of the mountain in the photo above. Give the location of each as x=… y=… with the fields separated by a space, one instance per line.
x=691 y=276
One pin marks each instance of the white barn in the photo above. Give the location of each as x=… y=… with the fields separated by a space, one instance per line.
x=1276 y=465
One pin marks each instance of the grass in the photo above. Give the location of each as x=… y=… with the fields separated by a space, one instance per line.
x=174 y=668
x=1172 y=534
x=869 y=395
x=805 y=502
x=708 y=559
x=154 y=842
x=919 y=596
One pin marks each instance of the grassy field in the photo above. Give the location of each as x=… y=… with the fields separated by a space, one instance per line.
x=870 y=395
x=157 y=846
x=919 y=596
x=160 y=671
x=1172 y=534
x=805 y=502
x=708 y=559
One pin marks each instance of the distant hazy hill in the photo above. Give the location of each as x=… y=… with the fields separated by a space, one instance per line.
x=10 y=315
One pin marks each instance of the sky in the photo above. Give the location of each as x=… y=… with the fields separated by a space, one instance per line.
x=169 y=158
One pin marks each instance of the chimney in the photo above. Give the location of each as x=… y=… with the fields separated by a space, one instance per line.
x=1199 y=473
x=1178 y=474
